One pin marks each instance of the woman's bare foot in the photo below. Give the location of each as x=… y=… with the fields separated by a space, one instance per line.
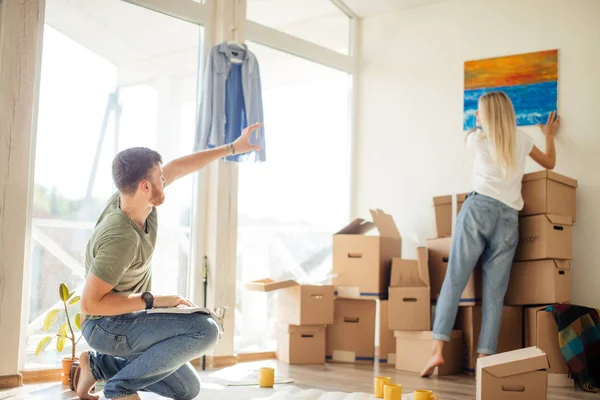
x=86 y=378
x=435 y=361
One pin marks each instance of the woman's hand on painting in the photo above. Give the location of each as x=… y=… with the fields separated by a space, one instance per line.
x=242 y=144
x=551 y=126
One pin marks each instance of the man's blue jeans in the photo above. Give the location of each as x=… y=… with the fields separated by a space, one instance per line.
x=149 y=352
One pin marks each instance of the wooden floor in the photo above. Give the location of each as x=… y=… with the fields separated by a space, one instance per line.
x=330 y=377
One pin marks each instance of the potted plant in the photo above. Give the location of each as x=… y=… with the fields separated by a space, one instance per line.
x=66 y=330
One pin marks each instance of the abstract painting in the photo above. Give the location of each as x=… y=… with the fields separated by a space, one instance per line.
x=530 y=80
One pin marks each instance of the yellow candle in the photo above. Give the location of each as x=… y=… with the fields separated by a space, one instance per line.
x=380 y=381
x=266 y=377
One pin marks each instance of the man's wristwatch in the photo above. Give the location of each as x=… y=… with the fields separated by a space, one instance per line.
x=148 y=299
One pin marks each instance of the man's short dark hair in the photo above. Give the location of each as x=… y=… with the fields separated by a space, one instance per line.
x=131 y=166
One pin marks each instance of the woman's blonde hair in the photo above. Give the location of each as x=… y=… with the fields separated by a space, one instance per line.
x=500 y=127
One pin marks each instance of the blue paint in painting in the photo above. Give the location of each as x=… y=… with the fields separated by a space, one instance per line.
x=533 y=103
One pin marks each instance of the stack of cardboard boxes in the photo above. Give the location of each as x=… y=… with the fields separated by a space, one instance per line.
x=361 y=269
x=539 y=277
x=303 y=311
x=344 y=321
x=541 y=272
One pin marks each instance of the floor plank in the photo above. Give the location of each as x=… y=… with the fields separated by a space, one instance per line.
x=330 y=377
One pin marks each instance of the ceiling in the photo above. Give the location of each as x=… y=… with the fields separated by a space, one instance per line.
x=145 y=44
x=369 y=8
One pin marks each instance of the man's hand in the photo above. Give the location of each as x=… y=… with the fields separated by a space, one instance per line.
x=242 y=144
x=171 y=301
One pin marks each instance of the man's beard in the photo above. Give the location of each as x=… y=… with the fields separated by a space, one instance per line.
x=158 y=196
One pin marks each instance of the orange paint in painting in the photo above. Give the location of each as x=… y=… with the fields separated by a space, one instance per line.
x=520 y=69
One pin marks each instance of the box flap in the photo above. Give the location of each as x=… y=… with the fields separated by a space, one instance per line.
x=268 y=285
x=357 y=227
x=403 y=272
x=514 y=362
x=562 y=264
x=385 y=224
x=411 y=273
x=423 y=257
x=560 y=219
x=461 y=197
x=425 y=335
x=441 y=200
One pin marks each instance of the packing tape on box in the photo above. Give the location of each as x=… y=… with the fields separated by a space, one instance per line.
x=348 y=291
x=344 y=356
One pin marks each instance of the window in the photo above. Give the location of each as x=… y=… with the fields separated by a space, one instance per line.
x=290 y=206
x=114 y=76
x=317 y=21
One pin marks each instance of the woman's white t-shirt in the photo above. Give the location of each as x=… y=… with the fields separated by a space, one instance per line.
x=488 y=179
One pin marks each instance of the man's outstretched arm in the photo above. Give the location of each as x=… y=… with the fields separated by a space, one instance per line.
x=191 y=163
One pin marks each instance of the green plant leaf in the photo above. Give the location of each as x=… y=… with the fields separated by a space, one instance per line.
x=64 y=329
x=78 y=321
x=74 y=300
x=50 y=319
x=63 y=292
x=71 y=295
x=42 y=345
x=60 y=343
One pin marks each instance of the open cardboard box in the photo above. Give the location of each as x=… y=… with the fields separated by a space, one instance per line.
x=510 y=337
x=361 y=262
x=546 y=192
x=351 y=337
x=546 y=236
x=539 y=282
x=439 y=255
x=410 y=298
x=515 y=375
x=299 y=304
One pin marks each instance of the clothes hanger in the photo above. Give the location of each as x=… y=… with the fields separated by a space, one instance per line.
x=234 y=43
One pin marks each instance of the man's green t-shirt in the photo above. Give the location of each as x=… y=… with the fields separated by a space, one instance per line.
x=119 y=252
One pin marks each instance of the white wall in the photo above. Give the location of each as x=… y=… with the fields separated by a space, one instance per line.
x=410 y=144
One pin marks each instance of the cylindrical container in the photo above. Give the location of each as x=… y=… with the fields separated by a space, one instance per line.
x=266 y=377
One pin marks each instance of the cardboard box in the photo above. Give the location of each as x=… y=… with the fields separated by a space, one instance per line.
x=410 y=298
x=546 y=192
x=351 y=338
x=541 y=331
x=515 y=375
x=413 y=350
x=301 y=344
x=545 y=236
x=439 y=254
x=539 y=282
x=387 y=341
x=361 y=263
x=511 y=331
x=299 y=304
x=442 y=210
